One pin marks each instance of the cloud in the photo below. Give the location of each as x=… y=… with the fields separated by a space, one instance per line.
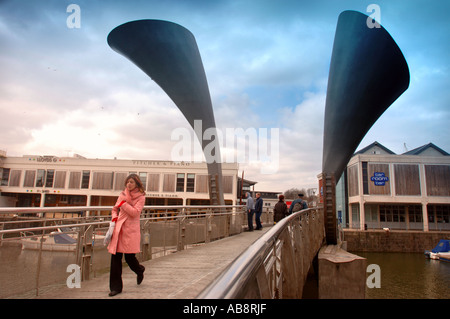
x=300 y=146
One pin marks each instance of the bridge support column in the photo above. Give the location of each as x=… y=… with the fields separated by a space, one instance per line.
x=342 y=275
x=329 y=207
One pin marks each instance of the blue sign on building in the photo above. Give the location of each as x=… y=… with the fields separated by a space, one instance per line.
x=379 y=179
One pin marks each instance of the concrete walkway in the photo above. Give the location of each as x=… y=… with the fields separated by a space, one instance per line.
x=180 y=275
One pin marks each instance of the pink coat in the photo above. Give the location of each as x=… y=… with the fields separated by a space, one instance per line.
x=126 y=237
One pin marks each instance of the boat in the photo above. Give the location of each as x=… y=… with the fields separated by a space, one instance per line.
x=444 y=256
x=440 y=252
x=55 y=241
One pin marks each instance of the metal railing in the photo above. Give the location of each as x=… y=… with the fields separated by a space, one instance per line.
x=164 y=229
x=277 y=264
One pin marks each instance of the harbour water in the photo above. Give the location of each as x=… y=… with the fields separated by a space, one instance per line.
x=408 y=276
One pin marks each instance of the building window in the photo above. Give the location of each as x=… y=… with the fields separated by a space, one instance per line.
x=153 y=183
x=227 y=182
x=180 y=182
x=415 y=213
x=77 y=200
x=60 y=179
x=85 y=179
x=377 y=171
x=353 y=186
x=101 y=180
x=14 y=179
x=392 y=213
x=143 y=178
x=169 y=183
x=407 y=180
x=365 y=178
x=442 y=213
x=371 y=213
x=29 y=178
x=202 y=184
x=190 y=184
x=355 y=215
x=49 y=179
x=40 y=178
x=74 y=180
x=5 y=177
x=438 y=180
x=119 y=183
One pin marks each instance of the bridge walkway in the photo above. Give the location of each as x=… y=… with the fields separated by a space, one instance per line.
x=180 y=275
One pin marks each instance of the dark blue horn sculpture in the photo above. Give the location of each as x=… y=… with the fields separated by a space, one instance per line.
x=367 y=74
x=168 y=53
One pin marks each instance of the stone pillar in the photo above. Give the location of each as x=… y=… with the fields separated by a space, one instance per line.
x=362 y=215
x=425 y=216
x=342 y=275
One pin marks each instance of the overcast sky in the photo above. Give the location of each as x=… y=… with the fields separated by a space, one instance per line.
x=64 y=91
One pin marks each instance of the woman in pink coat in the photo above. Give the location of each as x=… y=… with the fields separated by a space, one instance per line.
x=126 y=238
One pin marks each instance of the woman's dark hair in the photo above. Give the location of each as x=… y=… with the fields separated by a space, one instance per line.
x=138 y=182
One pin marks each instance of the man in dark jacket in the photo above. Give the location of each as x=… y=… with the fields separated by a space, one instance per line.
x=280 y=210
x=258 y=211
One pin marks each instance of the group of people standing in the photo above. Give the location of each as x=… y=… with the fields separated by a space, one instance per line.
x=281 y=210
x=254 y=208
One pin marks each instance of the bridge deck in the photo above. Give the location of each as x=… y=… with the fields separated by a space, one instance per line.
x=180 y=275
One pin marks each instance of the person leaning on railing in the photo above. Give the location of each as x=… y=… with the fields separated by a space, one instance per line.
x=126 y=237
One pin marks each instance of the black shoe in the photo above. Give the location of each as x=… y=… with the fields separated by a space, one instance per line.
x=113 y=293
x=140 y=277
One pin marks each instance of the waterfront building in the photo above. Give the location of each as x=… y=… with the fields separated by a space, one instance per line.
x=410 y=191
x=46 y=181
x=269 y=198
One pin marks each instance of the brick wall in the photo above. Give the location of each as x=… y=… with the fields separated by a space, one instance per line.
x=392 y=241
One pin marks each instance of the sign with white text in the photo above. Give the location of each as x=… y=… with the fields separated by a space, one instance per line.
x=379 y=179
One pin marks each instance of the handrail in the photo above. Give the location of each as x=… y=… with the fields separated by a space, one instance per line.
x=12 y=210
x=247 y=277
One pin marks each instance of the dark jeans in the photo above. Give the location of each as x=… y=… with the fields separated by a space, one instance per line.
x=115 y=275
x=258 y=220
x=250 y=219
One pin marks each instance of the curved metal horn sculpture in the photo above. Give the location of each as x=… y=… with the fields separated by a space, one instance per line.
x=168 y=53
x=367 y=74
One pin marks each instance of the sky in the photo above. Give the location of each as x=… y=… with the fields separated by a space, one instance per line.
x=64 y=91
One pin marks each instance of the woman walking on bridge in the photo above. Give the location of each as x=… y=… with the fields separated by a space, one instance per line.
x=126 y=238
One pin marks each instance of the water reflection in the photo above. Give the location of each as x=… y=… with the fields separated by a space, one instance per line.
x=409 y=276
